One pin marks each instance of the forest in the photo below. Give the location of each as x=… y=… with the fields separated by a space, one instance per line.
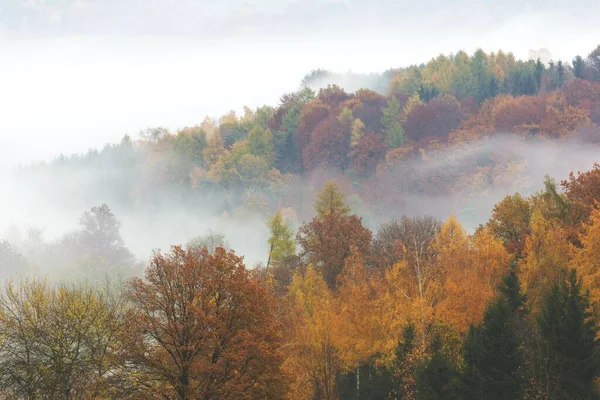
x=379 y=277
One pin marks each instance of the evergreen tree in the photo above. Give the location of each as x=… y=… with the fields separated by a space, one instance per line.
x=493 y=359
x=578 y=67
x=285 y=147
x=539 y=72
x=437 y=377
x=568 y=331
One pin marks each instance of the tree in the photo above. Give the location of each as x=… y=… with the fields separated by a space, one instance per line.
x=568 y=333
x=492 y=353
x=11 y=260
x=260 y=143
x=439 y=117
x=361 y=334
x=327 y=239
x=331 y=200
x=392 y=124
x=281 y=243
x=60 y=343
x=547 y=257
x=202 y=327
x=437 y=377
x=510 y=222
x=312 y=357
x=210 y=240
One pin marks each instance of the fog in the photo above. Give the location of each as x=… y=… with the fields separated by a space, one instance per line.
x=53 y=198
x=76 y=75
x=79 y=74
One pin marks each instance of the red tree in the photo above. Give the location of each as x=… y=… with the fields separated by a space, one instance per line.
x=202 y=328
x=439 y=117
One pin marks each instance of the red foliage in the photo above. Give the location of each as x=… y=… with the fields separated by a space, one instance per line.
x=510 y=113
x=439 y=117
x=328 y=146
x=583 y=192
x=368 y=109
x=326 y=242
x=312 y=114
x=333 y=96
x=367 y=154
x=205 y=316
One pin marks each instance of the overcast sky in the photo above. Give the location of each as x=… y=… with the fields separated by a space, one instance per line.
x=76 y=74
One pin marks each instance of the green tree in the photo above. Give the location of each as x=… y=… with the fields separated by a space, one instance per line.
x=493 y=359
x=331 y=200
x=281 y=242
x=568 y=332
x=285 y=148
x=578 y=67
x=260 y=143
x=438 y=377
x=391 y=123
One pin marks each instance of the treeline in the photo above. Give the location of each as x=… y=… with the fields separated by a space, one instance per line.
x=419 y=309
x=372 y=143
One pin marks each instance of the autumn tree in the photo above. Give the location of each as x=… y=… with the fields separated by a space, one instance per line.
x=312 y=359
x=202 y=327
x=361 y=333
x=326 y=240
x=510 y=222
x=439 y=117
x=547 y=255
x=61 y=342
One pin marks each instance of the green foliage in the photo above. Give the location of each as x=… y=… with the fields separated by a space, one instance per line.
x=391 y=121
x=494 y=360
x=281 y=242
x=568 y=332
x=331 y=200
x=260 y=143
x=438 y=377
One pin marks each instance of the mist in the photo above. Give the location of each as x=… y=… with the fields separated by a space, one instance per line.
x=52 y=197
x=77 y=75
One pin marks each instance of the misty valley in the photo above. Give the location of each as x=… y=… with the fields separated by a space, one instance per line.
x=429 y=232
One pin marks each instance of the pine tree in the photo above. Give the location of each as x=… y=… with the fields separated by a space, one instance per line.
x=437 y=377
x=578 y=67
x=568 y=331
x=493 y=359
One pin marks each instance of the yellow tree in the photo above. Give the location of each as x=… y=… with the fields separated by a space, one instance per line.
x=361 y=333
x=547 y=255
x=312 y=357
x=586 y=259
x=472 y=267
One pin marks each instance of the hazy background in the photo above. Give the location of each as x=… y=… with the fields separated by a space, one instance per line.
x=76 y=74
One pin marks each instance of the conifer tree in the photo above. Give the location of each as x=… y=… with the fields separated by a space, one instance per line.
x=493 y=359
x=281 y=242
x=331 y=200
x=568 y=332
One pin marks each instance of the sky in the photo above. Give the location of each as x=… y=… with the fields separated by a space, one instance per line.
x=76 y=74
